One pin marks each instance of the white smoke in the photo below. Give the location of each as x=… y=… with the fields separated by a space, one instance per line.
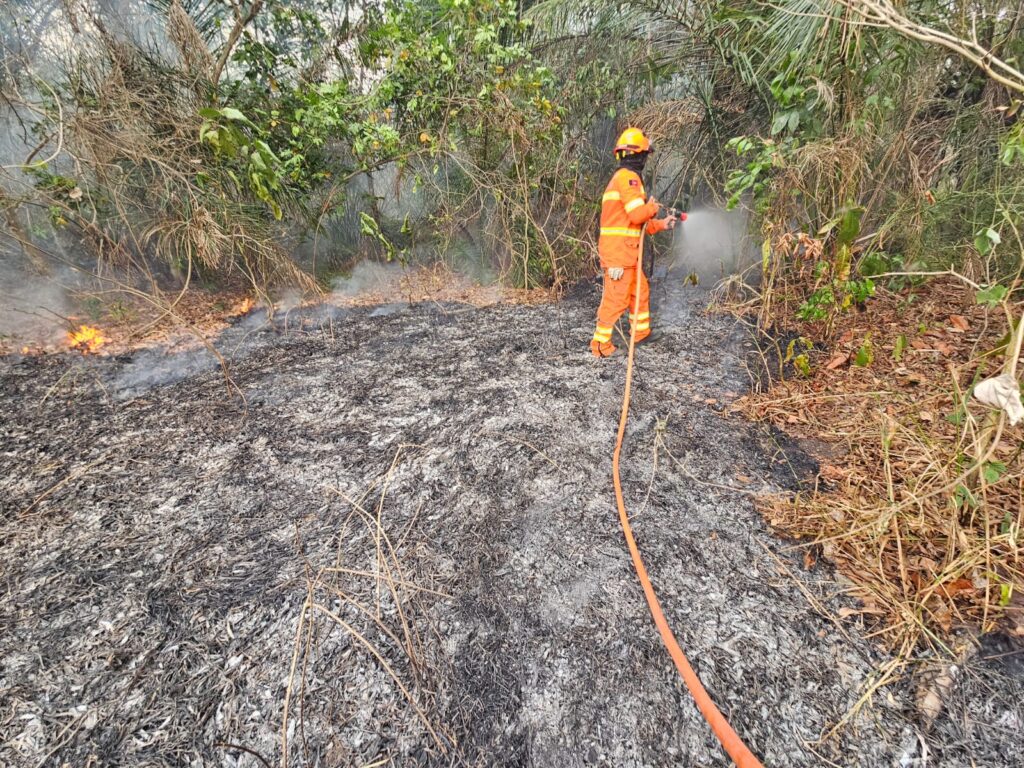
x=35 y=310
x=367 y=277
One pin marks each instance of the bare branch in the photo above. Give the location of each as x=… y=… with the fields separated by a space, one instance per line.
x=241 y=22
x=884 y=13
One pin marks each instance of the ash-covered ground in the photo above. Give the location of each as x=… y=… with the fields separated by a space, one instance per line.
x=401 y=548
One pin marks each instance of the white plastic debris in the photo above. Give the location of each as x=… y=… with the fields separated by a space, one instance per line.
x=1002 y=392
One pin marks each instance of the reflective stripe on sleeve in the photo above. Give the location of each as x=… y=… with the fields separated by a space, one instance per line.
x=613 y=195
x=634 y=204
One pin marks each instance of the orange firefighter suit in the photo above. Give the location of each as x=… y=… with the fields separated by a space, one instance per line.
x=624 y=213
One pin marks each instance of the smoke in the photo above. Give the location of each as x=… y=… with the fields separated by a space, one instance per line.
x=147 y=369
x=713 y=243
x=289 y=300
x=156 y=367
x=367 y=277
x=33 y=310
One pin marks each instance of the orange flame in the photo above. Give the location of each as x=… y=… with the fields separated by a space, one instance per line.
x=87 y=339
x=242 y=307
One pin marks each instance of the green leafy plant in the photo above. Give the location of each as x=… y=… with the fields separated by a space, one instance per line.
x=965 y=498
x=1012 y=149
x=794 y=100
x=369 y=227
x=818 y=305
x=859 y=291
x=865 y=353
x=799 y=358
x=899 y=348
x=236 y=139
x=986 y=239
x=991 y=295
x=992 y=471
x=764 y=154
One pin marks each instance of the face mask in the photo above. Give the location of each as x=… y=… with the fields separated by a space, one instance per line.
x=634 y=162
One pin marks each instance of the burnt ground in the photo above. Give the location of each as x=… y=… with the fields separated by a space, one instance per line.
x=407 y=531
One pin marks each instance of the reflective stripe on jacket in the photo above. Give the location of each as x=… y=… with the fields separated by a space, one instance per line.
x=623 y=215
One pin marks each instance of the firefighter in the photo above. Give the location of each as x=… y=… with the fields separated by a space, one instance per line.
x=625 y=211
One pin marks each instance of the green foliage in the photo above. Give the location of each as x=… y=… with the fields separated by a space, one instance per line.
x=958 y=415
x=849 y=226
x=288 y=43
x=1012 y=150
x=964 y=498
x=764 y=154
x=818 y=306
x=876 y=263
x=451 y=66
x=865 y=353
x=235 y=139
x=992 y=471
x=899 y=347
x=460 y=100
x=837 y=295
x=369 y=227
x=795 y=101
x=991 y=295
x=801 y=362
x=850 y=112
x=492 y=108
x=985 y=240
x=1005 y=593
x=859 y=291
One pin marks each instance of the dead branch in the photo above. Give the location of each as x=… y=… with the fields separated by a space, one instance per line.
x=242 y=20
x=884 y=13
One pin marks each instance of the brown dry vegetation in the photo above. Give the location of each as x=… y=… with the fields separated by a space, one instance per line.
x=928 y=538
x=134 y=322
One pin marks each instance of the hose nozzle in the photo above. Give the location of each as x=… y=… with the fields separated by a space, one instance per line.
x=675 y=213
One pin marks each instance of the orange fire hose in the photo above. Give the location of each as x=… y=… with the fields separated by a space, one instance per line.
x=730 y=740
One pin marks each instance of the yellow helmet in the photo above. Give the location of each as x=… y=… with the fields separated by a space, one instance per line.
x=632 y=141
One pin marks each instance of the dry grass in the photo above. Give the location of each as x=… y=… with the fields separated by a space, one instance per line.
x=440 y=283
x=130 y=322
x=924 y=508
x=382 y=597
x=132 y=183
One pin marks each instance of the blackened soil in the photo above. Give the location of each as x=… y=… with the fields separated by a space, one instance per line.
x=162 y=538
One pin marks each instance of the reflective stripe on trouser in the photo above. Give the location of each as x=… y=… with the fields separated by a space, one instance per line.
x=602 y=335
x=643 y=322
x=618 y=297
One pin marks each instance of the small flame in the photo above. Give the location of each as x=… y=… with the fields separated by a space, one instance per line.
x=87 y=339
x=243 y=307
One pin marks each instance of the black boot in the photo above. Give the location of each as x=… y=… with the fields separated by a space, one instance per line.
x=654 y=335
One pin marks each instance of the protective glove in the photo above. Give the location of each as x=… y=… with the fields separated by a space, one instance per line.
x=615 y=273
x=670 y=222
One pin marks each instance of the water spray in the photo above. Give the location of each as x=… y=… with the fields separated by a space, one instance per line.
x=679 y=215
